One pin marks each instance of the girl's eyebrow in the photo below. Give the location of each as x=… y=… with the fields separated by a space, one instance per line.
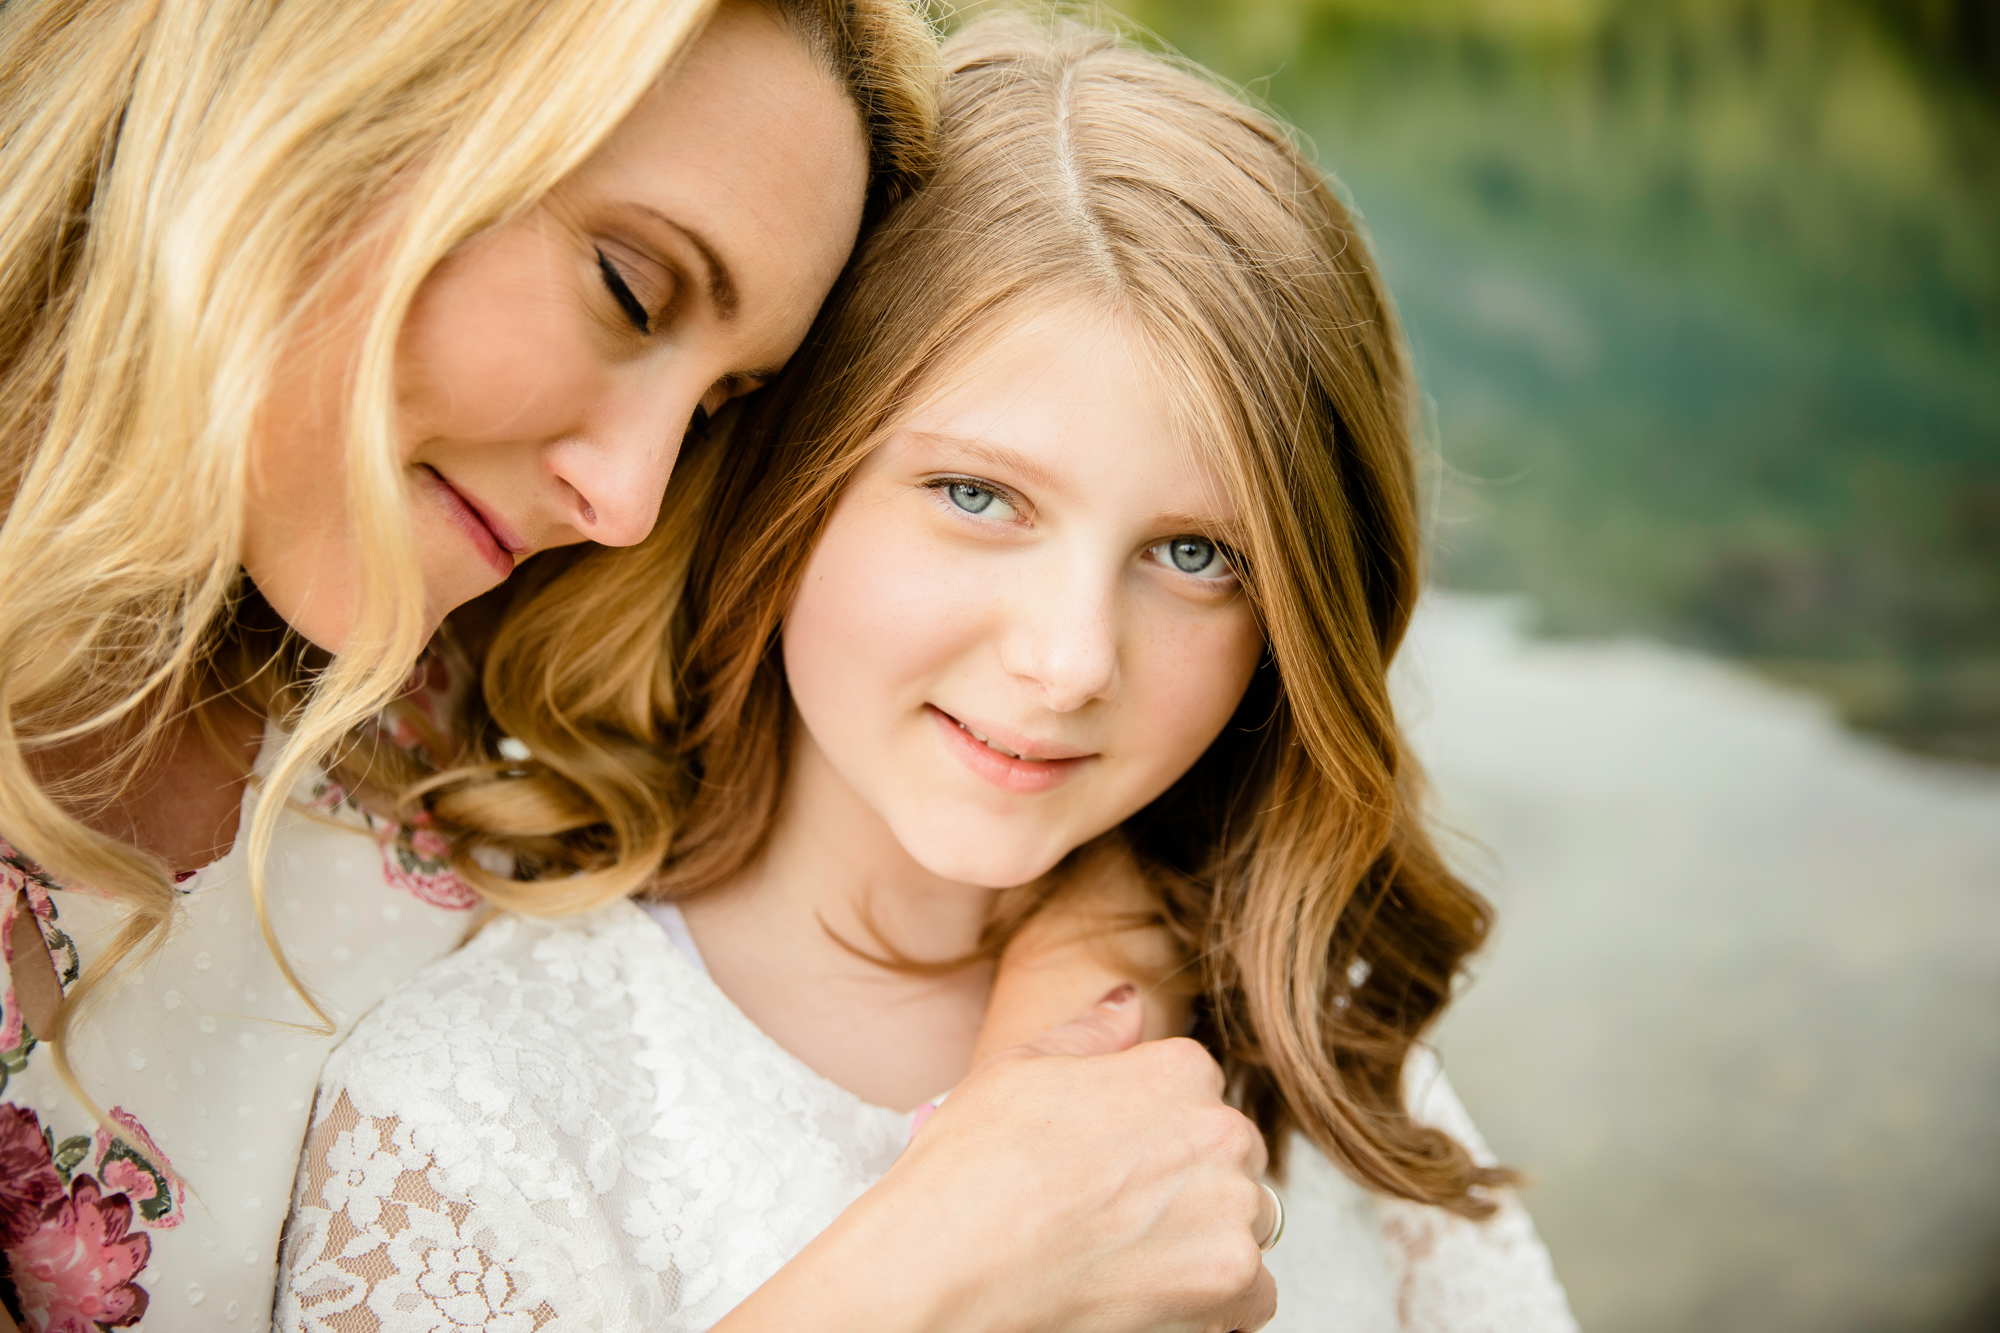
x=1226 y=531
x=994 y=455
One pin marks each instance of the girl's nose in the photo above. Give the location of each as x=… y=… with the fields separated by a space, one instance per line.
x=1063 y=637
x=619 y=466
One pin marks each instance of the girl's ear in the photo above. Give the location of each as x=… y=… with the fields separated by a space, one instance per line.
x=1100 y=929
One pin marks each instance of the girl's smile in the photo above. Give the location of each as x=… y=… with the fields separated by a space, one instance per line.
x=1022 y=622
x=1032 y=767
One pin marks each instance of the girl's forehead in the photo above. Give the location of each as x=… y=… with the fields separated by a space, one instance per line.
x=1066 y=397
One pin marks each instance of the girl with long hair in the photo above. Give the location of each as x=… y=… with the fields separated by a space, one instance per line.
x=317 y=318
x=1073 y=547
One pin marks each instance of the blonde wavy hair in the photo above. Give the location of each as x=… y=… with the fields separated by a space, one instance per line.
x=1292 y=862
x=181 y=182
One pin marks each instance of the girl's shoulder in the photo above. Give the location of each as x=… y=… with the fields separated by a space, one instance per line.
x=1453 y=1273
x=1361 y=1262
x=590 y=1116
x=518 y=984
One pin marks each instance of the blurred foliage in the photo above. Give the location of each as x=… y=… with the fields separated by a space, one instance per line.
x=1707 y=297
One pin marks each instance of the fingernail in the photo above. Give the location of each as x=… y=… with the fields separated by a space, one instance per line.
x=1119 y=996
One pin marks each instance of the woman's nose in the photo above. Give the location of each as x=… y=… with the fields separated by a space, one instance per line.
x=1063 y=636
x=619 y=465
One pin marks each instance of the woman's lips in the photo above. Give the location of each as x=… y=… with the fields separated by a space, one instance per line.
x=1004 y=771
x=495 y=545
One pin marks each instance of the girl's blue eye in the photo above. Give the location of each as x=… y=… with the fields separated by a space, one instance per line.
x=1196 y=557
x=972 y=499
x=1192 y=555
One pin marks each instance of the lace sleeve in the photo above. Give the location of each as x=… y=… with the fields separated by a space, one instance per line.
x=1457 y=1276
x=380 y=1241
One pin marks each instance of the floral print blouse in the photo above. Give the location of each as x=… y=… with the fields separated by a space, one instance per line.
x=166 y=1214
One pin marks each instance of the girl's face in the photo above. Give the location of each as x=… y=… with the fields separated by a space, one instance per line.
x=550 y=367
x=1022 y=624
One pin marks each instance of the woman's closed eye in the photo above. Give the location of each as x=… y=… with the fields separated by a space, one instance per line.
x=621 y=291
x=1196 y=557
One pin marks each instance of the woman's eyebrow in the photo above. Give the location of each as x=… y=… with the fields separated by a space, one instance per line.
x=721 y=283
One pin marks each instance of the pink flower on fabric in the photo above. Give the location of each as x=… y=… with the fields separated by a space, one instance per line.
x=417 y=859
x=130 y=1181
x=29 y=1185
x=133 y=1163
x=10 y=1009
x=75 y=1273
x=430 y=844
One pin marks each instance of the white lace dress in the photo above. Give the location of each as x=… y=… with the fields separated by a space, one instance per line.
x=566 y=1125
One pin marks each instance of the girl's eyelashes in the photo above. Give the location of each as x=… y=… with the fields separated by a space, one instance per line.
x=970 y=496
x=1188 y=555
x=621 y=291
x=1196 y=557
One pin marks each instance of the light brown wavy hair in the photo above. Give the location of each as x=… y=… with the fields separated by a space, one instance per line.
x=1292 y=861
x=179 y=181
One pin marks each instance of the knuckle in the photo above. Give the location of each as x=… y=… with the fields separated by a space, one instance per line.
x=1235 y=1278
x=1246 y=1266
x=1227 y=1133
x=1185 y=1058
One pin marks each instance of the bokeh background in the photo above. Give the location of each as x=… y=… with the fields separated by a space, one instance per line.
x=1706 y=299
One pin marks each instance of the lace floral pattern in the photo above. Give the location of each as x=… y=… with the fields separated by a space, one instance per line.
x=565 y=1125
x=641 y=1156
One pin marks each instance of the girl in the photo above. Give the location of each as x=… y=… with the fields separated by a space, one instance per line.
x=319 y=317
x=1083 y=531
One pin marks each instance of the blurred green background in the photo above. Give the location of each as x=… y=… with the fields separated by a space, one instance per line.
x=1707 y=296
x=1706 y=299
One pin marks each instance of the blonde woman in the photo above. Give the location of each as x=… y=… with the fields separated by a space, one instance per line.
x=1081 y=536
x=317 y=318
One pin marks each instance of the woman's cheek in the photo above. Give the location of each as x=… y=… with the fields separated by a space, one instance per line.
x=495 y=349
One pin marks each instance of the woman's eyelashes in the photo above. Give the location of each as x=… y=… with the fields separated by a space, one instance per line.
x=621 y=291
x=1195 y=557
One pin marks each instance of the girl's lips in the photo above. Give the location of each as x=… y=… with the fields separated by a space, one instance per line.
x=472 y=521
x=1026 y=776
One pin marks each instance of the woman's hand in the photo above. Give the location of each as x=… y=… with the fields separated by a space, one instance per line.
x=1100 y=930
x=1078 y=1181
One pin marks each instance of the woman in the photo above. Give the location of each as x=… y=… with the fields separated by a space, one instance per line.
x=319 y=318
x=1083 y=532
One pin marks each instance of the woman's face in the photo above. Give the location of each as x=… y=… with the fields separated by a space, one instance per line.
x=551 y=366
x=1021 y=624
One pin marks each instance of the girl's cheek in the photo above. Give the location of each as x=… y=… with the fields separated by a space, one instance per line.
x=1193 y=677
